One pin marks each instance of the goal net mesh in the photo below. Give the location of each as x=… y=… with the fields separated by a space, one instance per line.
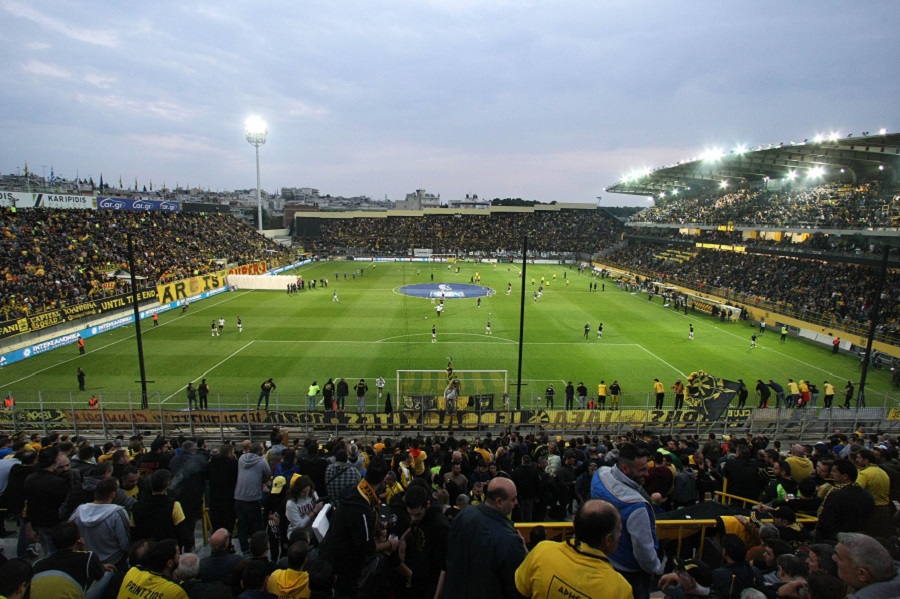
x=478 y=389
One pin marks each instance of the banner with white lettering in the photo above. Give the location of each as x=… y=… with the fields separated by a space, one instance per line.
x=21 y=199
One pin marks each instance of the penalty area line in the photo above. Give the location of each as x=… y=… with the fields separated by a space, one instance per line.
x=180 y=389
x=660 y=359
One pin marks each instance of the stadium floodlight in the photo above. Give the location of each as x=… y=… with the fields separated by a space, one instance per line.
x=713 y=154
x=816 y=172
x=792 y=175
x=833 y=135
x=724 y=184
x=741 y=149
x=256 y=131
x=818 y=138
x=881 y=167
x=882 y=131
x=675 y=192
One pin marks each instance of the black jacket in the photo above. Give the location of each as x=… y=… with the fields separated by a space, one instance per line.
x=45 y=492
x=350 y=539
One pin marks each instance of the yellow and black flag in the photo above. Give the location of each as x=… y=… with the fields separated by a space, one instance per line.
x=709 y=395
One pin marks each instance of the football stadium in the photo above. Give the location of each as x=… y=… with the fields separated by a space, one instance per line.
x=759 y=293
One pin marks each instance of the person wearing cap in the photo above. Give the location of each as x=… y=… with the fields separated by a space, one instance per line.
x=579 y=566
x=692 y=576
x=636 y=556
x=790 y=532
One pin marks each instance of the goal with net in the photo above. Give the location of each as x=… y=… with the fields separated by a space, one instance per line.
x=481 y=390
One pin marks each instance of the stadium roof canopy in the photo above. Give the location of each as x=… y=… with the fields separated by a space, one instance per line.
x=828 y=159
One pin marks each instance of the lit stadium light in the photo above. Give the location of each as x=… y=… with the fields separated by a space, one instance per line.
x=724 y=184
x=256 y=132
x=712 y=155
x=818 y=138
x=741 y=149
x=882 y=131
x=792 y=175
x=662 y=194
x=833 y=135
x=816 y=172
x=881 y=167
x=674 y=192
x=843 y=170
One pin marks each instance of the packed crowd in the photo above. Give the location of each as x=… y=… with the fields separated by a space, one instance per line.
x=433 y=517
x=871 y=203
x=52 y=258
x=808 y=286
x=555 y=233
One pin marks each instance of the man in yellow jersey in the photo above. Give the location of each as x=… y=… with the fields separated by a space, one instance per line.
x=660 y=393
x=876 y=481
x=154 y=579
x=571 y=568
x=601 y=395
x=829 y=393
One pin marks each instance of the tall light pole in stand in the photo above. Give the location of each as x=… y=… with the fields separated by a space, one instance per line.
x=256 y=136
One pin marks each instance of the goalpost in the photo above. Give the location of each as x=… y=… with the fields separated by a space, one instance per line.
x=419 y=390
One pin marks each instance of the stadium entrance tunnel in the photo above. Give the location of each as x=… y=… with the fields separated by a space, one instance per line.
x=454 y=291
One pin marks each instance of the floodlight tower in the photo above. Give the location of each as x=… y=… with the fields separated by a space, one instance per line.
x=256 y=135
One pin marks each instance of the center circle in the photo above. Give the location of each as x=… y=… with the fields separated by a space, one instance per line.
x=446 y=290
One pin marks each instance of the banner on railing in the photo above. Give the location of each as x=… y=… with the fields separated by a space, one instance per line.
x=190 y=288
x=43 y=320
x=82 y=416
x=139 y=204
x=255 y=268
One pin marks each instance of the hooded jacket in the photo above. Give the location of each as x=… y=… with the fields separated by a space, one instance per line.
x=253 y=471
x=288 y=583
x=104 y=528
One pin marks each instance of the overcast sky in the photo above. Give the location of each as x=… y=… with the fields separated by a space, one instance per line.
x=539 y=100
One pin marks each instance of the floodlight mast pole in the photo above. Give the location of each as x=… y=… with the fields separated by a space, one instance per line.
x=521 y=324
x=145 y=403
x=256 y=136
x=875 y=315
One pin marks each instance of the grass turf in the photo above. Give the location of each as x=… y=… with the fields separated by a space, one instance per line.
x=374 y=330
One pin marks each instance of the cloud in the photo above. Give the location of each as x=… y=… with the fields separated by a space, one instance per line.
x=73 y=31
x=178 y=144
x=166 y=109
x=101 y=81
x=36 y=67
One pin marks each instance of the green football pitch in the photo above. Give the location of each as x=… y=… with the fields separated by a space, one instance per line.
x=374 y=330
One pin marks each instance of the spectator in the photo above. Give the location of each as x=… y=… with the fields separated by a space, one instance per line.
x=221 y=560
x=291 y=582
x=563 y=568
x=484 y=548
x=156 y=577
x=253 y=471
x=104 y=526
x=636 y=556
x=865 y=565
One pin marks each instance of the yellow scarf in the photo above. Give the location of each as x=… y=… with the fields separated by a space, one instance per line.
x=368 y=493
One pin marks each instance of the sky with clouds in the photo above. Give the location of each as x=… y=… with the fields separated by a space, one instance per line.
x=539 y=100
